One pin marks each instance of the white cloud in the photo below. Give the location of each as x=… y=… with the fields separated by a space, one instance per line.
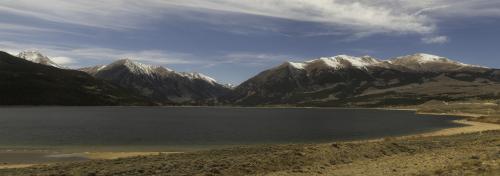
x=63 y=60
x=435 y=40
x=351 y=14
x=81 y=56
x=352 y=18
x=359 y=16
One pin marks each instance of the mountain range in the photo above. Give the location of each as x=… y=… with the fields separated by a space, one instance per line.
x=328 y=81
x=366 y=81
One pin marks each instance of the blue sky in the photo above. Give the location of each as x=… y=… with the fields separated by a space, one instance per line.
x=234 y=40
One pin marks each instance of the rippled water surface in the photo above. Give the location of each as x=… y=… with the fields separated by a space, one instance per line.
x=198 y=126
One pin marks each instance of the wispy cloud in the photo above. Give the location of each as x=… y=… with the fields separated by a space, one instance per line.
x=81 y=56
x=360 y=17
x=435 y=40
x=353 y=14
x=254 y=58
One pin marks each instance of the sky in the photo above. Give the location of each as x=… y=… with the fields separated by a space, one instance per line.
x=232 y=41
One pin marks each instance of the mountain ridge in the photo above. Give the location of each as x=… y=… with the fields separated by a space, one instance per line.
x=343 y=61
x=161 y=84
x=343 y=80
x=340 y=80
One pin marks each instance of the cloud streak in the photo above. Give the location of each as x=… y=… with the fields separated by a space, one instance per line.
x=435 y=40
x=359 y=16
x=355 y=15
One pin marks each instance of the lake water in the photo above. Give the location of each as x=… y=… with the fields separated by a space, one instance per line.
x=55 y=134
x=202 y=126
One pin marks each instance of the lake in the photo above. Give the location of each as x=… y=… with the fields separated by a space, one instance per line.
x=55 y=134
x=184 y=127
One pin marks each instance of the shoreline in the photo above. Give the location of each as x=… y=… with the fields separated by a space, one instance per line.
x=469 y=127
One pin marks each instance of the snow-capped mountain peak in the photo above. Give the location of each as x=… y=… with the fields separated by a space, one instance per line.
x=336 y=62
x=423 y=58
x=198 y=76
x=297 y=65
x=37 y=57
x=430 y=58
x=159 y=83
x=144 y=69
x=419 y=61
x=135 y=67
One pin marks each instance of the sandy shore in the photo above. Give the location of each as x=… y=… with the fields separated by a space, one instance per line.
x=471 y=127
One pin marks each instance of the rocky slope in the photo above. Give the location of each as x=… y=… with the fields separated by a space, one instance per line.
x=25 y=83
x=365 y=81
x=161 y=84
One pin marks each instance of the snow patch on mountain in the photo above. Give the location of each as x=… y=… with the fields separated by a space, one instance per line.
x=100 y=67
x=296 y=65
x=337 y=62
x=139 y=68
x=430 y=58
x=198 y=76
x=423 y=58
x=150 y=70
x=419 y=61
x=37 y=57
